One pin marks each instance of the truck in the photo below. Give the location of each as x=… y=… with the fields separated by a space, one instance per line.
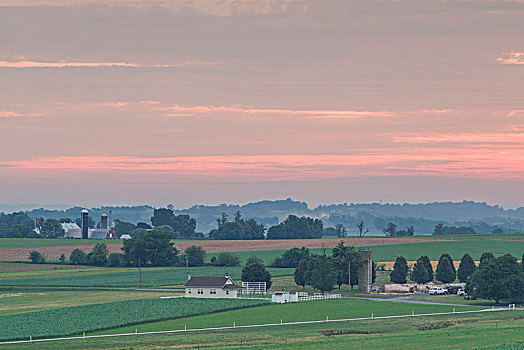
x=438 y=291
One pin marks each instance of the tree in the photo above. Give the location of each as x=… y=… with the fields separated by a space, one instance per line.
x=65 y=220
x=340 y=230
x=343 y=254
x=400 y=271
x=496 y=279
x=292 y=257
x=439 y=229
x=485 y=257
x=445 y=255
x=227 y=259
x=98 y=255
x=419 y=273
x=77 y=257
x=168 y=229
x=362 y=230
x=254 y=259
x=294 y=227
x=466 y=268
x=391 y=230
x=445 y=272
x=90 y=222
x=238 y=229
x=183 y=225
x=323 y=274
x=36 y=257
x=256 y=272
x=429 y=268
x=195 y=255
x=122 y=228
x=373 y=272
x=152 y=248
x=162 y=216
x=62 y=258
x=116 y=259
x=52 y=229
x=300 y=275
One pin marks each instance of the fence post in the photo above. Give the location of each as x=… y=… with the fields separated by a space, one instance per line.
x=327 y=319
x=372 y=315
x=280 y=321
x=84 y=334
x=185 y=327
x=453 y=310
x=412 y=312
x=30 y=338
x=234 y=324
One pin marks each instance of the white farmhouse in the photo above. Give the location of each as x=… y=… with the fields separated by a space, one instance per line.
x=211 y=287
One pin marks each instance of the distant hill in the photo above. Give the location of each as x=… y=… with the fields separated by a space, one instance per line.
x=484 y=218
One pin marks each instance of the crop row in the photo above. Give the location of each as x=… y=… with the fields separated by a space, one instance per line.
x=150 y=277
x=78 y=319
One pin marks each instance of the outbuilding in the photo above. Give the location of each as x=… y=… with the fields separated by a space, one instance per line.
x=211 y=287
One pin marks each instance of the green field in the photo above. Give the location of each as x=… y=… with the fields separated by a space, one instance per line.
x=475 y=248
x=128 y=277
x=78 y=319
x=294 y=312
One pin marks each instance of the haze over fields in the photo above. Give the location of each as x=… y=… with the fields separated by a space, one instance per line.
x=184 y=102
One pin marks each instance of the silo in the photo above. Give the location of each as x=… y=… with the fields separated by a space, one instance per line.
x=103 y=221
x=85 y=224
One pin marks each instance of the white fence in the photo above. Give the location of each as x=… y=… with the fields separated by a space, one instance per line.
x=253 y=287
x=320 y=297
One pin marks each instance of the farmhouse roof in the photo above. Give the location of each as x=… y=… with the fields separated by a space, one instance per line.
x=213 y=282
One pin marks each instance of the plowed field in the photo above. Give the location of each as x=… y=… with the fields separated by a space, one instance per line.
x=53 y=253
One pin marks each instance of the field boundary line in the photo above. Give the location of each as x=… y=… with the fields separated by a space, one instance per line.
x=254 y=326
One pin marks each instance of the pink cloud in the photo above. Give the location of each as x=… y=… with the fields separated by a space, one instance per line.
x=516 y=113
x=515 y=137
x=9 y=114
x=512 y=58
x=65 y=64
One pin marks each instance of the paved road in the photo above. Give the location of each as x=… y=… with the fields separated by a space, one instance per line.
x=411 y=300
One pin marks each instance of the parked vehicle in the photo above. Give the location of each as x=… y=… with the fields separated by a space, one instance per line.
x=438 y=291
x=467 y=296
x=461 y=292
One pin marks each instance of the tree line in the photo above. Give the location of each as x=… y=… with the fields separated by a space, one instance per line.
x=494 y=278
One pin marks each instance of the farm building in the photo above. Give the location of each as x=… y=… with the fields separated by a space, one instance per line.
x=211 y=287
x=102 y=233
x=72 y=230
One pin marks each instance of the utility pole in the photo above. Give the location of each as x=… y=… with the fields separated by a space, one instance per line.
x=140 y=272
x=187 y=269
x=349 y=278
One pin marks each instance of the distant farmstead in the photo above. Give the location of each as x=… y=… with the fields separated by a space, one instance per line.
x=211 y=287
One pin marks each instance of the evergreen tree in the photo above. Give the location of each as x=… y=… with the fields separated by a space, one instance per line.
x=445 y=272
x=301 y=275
x=400 y=271
x=429 y=268
x=445 y=255
x=485 y=257
x=466 y=268
x=419 y=273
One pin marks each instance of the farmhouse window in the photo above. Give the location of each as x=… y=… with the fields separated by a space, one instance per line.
x=189 y=291
x=227 y=292
x=200 y=291
x=212 y=291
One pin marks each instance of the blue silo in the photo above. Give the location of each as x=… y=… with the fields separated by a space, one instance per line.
x=85 y=224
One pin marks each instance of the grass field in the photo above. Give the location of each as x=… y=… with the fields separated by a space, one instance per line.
x=21 y=301
x=500 y=330
x=78 y=319
x=128 y=277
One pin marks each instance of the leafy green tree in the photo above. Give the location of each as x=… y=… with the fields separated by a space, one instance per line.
x=254 y=259
x=256 y=272
x=167 y=228
x=400 y=271
x=292 y=257
x=445 y=272
x=90 y=222
x=485 y=257
x=466 y=268
x=122 y=228
x=98 y=255
x=294 y=227
x=116 y=260
x=52 y=229
x=195 y=255
x=65 y=220
x=419 y=273
x=77 y=257
x=36 y=257
x=62 y=258
x=390 y=230
x=445 y=255
x=152 y=248
x=183 y=225
x=323 y=274
x=343 y=254
x=429 y=267
x=301 y=273
x=497 y=279
x=227 y=259
x=340 y=230
x=237 y=229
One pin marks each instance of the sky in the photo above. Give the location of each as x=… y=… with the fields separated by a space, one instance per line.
x=228 y=101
